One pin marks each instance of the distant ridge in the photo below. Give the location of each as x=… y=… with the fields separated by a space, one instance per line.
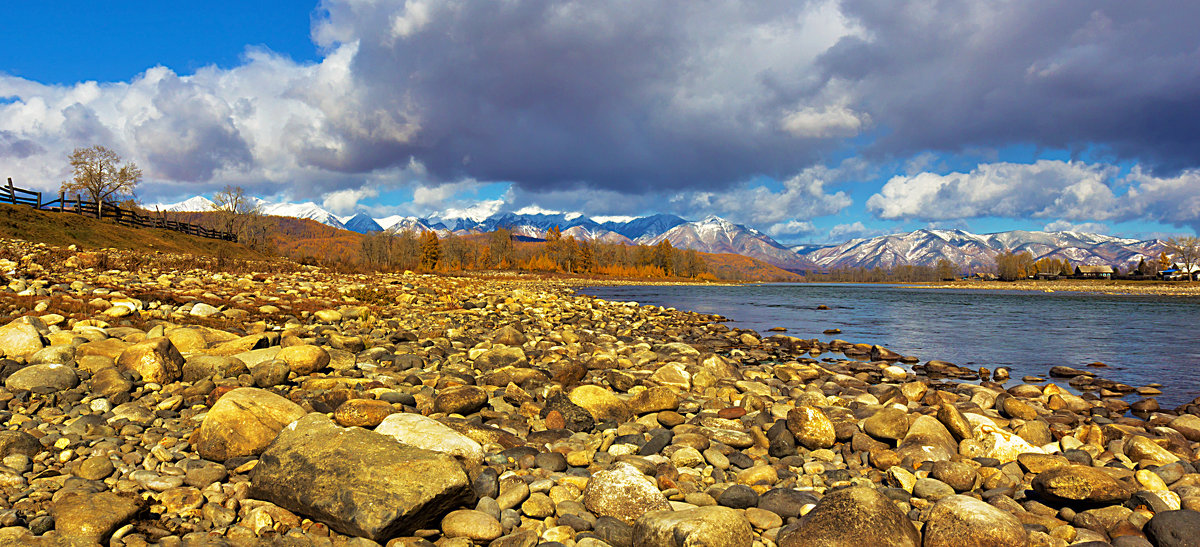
x=925 y=247
x=717 y=235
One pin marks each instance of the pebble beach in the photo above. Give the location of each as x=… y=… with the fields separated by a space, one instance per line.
x=297 y=406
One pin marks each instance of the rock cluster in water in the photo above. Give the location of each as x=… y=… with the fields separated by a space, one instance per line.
x=310 y=408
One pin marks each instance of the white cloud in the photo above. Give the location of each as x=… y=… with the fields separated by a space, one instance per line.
x=801 y=196
x=1065 y=226
x=857 y=229
x=536 y=210
x=612 y=218
x=477 y=211
x=343 y=202
x=1046 y=188
x=791 y=227
x=830 y=121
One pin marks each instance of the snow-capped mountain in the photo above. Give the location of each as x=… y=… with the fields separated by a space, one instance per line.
x=717 y=235
x=598 y=234
x=974 y=251
x=307 y=210
x=417 y=225
x=652 y=226
x=195 y=204
x=361 y=223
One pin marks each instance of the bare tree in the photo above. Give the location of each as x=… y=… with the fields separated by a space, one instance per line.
x=1187 y=252
x=234 y=208
x=99 y=173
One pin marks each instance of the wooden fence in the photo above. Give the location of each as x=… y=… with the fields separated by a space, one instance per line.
x=123 y=216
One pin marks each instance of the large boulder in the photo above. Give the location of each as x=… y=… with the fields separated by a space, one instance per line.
x=889 y=424
x=811 y=426
x=356 y=481
x=156 y=360
x=460 y=400
x=601 y=403
x=852 y=517
x=624 y=493
x=711 y=526
x=88 y=519
x=1076 y=483
x=304 y=359
x=21 y=337
x=18 y=442
x=200 y=367
x=927 y=440
x=429 y=434
x=243 y=422
x=963 y=521
x=51 y=377
x=1174 y=528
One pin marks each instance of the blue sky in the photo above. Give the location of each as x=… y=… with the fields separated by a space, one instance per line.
x=814 y=122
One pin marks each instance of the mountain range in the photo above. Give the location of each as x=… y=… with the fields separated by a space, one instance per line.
x=924 y=247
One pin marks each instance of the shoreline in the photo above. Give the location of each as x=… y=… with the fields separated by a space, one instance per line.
x=1096 y=287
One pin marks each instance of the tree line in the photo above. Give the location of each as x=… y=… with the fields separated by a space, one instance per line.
x=499 y=250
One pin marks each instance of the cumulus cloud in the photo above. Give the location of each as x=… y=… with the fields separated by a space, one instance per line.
x=1044 y=189
x=801 y=196
x=1068 y=191
x=343 y=202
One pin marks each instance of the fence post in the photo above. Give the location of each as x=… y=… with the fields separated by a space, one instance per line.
x=62 y=200
x=12 y=193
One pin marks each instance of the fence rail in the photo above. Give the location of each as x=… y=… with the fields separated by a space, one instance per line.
x=104 y=209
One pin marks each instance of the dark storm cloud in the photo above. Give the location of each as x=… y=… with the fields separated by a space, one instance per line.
x=1123 y=76
x=626 y=96
x=193 y=134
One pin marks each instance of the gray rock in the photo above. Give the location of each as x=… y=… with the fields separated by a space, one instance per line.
x=709 y=526
x=1174 y=529
x=356 y=481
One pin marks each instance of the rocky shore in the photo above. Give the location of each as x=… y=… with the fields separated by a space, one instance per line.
x=1082 y=286
x=300 y=407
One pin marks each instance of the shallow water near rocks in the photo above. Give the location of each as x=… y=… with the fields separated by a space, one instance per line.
x=1142 y=339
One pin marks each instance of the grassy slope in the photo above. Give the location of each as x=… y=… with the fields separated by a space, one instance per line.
x=731 y=266
x=63 y=229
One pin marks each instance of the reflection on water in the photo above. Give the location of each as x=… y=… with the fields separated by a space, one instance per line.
x=1142 y=339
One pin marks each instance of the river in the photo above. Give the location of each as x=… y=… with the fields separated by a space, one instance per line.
x=1143 y=339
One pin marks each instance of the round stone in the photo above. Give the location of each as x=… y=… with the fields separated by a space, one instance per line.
x=471 y=524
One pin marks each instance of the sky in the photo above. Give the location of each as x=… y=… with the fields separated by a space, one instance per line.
x=813 y=121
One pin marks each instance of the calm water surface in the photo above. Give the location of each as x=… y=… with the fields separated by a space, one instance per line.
x=1142 y=339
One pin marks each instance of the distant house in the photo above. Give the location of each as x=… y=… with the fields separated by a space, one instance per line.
x=1100 y=272
x=1179 y=272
